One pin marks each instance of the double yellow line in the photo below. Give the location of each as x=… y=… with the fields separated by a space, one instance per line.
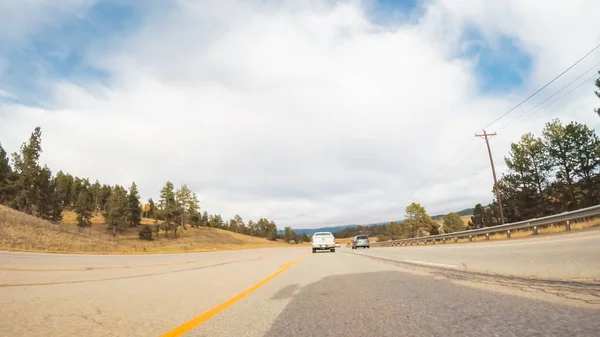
x=205 y=316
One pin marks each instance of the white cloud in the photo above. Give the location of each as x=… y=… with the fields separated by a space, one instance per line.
x=304 y=112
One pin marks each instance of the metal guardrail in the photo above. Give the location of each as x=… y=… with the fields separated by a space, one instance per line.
x=534 y=223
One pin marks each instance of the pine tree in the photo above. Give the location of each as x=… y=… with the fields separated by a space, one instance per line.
x=26 y=164
x=96 y=191
x=7 y=178
x=152 y=212
x=187 y=205
x=527 y=179
x=237 y=225
x=271 y=230
x=64 y=187
x=288 y=234
x=205 y=218
x=117 y=213
x=78 y=185
x=84 y=206
x=134 y=206
x=395 y=231
x=194 y=210
x=105 y=193
x=562 y=153
x=453 y=223
x=168 y=207
x=417 y=220
x=47 y=203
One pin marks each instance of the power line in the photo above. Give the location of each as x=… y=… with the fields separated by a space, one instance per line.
x=438 y=169
x=435 y=178
x=434 y=175
x=542 y=88
x=509 y=111
x=549 y=97
x=593 y=77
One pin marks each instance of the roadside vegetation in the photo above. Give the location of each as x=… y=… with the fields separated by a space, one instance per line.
x=22 y=232
x=69 y=202
x=556 y=172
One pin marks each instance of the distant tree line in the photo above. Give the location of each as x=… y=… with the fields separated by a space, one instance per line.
x=417 y=223
x=30 y=188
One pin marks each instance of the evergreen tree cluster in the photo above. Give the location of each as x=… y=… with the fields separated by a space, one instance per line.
x=417 y=223
x=30 y=188
x=554 y=173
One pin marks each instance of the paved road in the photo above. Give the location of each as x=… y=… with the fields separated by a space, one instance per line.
x=350 y=293
x=573 y=256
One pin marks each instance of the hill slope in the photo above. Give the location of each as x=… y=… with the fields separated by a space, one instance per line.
x=19 y=231
x=462 y=213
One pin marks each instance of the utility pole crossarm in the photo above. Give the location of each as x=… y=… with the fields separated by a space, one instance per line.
x=486 y=136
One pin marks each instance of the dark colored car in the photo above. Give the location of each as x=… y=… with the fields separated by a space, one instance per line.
x=360 y=241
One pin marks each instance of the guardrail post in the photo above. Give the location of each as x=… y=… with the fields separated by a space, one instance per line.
x=444 y=240
x=535 y=230
x=433 y=241
x=508 y=234
x=425 y=242
x=568 y=226
x=455 y=239
x=487 y=236
x=470 y=238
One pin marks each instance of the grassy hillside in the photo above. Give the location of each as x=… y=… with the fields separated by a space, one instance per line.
x=467 y=212
x=19 y=231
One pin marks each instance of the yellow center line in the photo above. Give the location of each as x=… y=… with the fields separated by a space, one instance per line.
x=205 y=316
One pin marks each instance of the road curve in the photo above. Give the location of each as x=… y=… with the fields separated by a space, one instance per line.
x=289 y=292
x=572 y=256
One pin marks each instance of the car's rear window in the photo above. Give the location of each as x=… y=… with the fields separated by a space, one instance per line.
x=362 y=237
x=323 y=234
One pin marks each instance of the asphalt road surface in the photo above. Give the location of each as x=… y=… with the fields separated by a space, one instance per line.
x=407 y=291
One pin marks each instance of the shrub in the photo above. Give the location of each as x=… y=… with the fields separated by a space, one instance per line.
x=145 y=233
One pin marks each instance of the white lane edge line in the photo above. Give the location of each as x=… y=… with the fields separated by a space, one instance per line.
x=431 y=264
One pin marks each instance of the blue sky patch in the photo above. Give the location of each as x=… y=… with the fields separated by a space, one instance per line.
x=501 y=65
x=393 y=12
x=59 y=51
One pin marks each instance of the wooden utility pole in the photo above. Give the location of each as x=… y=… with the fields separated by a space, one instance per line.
x=486 y=136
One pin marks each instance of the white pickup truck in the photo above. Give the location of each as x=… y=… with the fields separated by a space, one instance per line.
x=323 y=241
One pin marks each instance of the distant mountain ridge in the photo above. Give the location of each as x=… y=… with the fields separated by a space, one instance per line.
x=333 y=229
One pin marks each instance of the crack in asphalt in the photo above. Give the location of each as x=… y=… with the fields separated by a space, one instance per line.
x=127 y=277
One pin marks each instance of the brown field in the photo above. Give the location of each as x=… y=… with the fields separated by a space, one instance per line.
x=21 y=232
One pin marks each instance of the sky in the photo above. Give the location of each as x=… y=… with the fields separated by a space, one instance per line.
x=307 y=112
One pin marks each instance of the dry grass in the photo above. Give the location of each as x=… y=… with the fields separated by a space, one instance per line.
x=541 y=231
x=547 y=230
x=22 y=232
x=70 y=219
